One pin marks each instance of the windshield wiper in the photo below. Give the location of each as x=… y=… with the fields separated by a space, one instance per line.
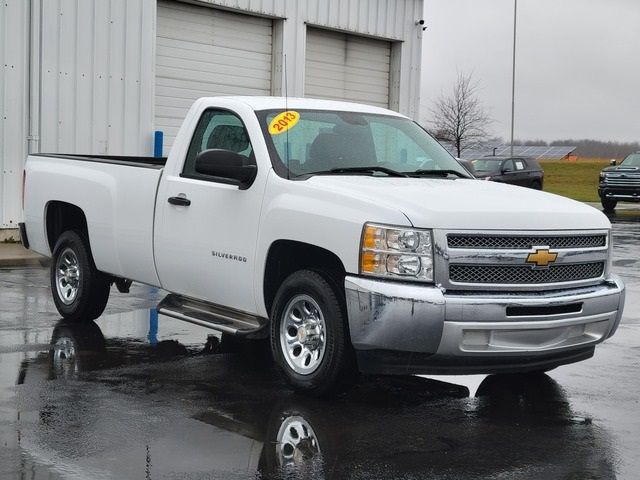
x=371 y=169
x=437 y=173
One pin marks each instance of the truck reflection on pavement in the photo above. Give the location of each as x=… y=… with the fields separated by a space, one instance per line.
x=120 y=406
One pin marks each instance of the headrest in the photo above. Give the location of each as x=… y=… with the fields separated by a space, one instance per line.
x=229 y=137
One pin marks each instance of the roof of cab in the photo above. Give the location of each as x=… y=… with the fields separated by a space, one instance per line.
x=269 y=103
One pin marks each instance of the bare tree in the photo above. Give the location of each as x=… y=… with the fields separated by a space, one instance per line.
x=460 y=118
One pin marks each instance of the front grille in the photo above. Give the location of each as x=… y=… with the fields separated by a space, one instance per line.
x=622 y=179
x=525 y=242
x=622 y=182
x=524 y=274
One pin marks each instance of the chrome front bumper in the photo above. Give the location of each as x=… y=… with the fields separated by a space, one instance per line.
x=407 y=328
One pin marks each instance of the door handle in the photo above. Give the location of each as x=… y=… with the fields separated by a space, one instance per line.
x=181 y=201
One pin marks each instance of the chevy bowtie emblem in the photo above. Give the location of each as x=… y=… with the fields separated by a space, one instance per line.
x=542 y=257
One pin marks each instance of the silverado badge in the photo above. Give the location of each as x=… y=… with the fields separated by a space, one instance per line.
x=541 y=257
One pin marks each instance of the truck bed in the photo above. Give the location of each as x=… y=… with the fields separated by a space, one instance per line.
x=116 y=195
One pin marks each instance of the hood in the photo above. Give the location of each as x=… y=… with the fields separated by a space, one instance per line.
x=621 y=168
x=466 y=204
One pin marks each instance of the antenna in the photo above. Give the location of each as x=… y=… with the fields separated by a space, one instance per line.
x=286 y=109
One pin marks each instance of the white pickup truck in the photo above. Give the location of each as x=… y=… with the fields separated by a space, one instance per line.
x=342 y=232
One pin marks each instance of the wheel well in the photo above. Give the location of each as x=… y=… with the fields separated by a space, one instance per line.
x=62 y=216
x=288 y=256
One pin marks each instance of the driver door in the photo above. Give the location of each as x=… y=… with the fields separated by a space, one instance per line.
x=206 y=228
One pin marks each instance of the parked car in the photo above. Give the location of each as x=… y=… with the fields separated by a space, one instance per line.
x=523 y=171
x=467 y=164
x=344 y=233
x=620 y=183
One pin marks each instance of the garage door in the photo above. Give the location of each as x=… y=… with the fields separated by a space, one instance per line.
x=347 y=67
x=202 y=52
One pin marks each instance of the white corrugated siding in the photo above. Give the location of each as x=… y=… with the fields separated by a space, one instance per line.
x=203 y=51
x=97 y=76
x=386 y=19
x=14 y=71
x=340 y=66
x=94 y=70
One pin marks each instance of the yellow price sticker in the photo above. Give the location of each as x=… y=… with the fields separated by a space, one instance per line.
x=283 y=122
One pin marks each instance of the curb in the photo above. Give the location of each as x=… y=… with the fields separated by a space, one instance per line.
x=24 y=262
x=15 y=255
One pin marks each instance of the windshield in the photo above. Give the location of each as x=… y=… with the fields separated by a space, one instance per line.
x=487 y=164
x=307 y=142
x=632 y=160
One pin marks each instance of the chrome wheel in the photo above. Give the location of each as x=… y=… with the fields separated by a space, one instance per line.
x=67 y=276
x=302 y=334
x=297 y=443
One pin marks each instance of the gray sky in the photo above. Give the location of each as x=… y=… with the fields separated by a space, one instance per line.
x=577 y=64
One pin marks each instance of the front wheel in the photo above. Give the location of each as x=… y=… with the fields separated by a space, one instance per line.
x=309 y=336
x=80 y=291
x=608 y=205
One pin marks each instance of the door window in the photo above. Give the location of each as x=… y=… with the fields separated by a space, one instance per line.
x=219 y=129
x=508 y=166
x=519 y=164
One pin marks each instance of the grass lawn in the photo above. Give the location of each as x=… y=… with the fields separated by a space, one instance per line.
x=577 y=180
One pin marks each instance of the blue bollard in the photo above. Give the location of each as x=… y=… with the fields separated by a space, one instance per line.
x=158 y=138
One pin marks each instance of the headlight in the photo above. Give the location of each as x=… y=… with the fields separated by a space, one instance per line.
x=396 y=252
x=603 y=176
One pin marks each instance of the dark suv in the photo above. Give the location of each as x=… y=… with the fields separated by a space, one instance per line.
x=524 y=171
x=620 y=183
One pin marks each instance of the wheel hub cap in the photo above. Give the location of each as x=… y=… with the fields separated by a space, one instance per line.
x=67 y=276
x=302 y=334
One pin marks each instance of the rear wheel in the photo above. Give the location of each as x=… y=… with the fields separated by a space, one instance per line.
x=80 y=291
x=309 y=336
x=608 y=205
x=536 y=185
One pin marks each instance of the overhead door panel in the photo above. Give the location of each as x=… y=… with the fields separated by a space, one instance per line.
x=347 y=67
x=200 y=52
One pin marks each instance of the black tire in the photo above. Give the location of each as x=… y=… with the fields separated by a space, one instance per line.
x=92 y=286
x=335 y=368
x=536 y=185
x=608 y=205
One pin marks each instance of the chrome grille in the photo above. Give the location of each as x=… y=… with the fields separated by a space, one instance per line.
x=625 y=182
x=525 y=241
x=524 y=274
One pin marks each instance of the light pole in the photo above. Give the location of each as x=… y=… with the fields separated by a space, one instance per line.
x=513 y=72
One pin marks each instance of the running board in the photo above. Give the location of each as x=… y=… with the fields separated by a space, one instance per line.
x=213 y=316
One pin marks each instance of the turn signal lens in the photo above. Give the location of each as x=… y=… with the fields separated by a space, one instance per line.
x=373 y=237
x=371 y=263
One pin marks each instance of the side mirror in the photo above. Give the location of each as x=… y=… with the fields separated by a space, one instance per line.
x=612 y=162
x=227 y=165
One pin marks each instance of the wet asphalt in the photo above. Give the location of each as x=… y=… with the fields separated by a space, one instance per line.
x=136 y=396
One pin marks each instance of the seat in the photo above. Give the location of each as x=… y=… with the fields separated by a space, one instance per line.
x=228 y=137
x=334 y=150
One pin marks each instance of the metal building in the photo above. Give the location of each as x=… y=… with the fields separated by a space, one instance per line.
x=100 y=76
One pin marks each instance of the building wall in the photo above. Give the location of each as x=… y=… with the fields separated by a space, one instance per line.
x=14 y=77
x=96 y=76
x=78 y=76
x=389 y=19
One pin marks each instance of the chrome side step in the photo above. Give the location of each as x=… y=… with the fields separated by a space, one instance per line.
x=213 y=316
